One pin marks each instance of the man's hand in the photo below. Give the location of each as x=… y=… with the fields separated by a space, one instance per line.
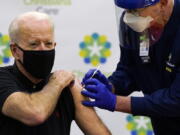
x=76 y=86
x=102 y=95
x=99 y=76
x=62 y=78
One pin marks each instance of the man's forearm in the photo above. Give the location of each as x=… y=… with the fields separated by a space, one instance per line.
x=46 y=99
x=32 y=109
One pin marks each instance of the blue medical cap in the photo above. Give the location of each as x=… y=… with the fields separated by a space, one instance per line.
x=133 y=4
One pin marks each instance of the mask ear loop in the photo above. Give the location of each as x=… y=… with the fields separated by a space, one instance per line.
x=19 y=47
x=22 y=51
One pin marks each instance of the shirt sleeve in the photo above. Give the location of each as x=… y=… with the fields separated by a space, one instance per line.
x=66 y=104
x=122 y=78
x=163 y=102
x=7 y=86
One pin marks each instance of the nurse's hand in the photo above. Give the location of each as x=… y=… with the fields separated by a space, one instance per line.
x=99 y=76
x=102 y=95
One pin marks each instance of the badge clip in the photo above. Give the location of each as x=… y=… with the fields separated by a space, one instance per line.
x=169 y=66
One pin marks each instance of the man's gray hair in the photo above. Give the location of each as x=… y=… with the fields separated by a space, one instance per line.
x=14 y=27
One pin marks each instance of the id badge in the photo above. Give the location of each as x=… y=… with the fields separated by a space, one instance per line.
x=144 y=47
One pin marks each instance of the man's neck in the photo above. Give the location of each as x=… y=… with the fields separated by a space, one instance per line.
x=26 y=74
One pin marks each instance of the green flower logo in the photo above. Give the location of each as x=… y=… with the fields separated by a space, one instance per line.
x=5 y=52
x=95 y=49
x=139 y=125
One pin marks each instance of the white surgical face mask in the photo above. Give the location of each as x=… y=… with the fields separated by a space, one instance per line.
x=136 y=22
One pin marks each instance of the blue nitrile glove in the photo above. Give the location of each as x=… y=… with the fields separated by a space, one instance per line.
x=99 y=76
x=103 y=97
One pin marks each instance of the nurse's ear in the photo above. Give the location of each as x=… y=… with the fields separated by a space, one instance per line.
x=164 y=3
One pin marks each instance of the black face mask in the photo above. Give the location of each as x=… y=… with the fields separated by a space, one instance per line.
x=38 y=63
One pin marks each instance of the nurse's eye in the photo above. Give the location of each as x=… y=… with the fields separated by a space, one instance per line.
x=131 y=10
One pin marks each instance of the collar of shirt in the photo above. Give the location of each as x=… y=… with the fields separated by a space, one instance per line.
x=27 y=83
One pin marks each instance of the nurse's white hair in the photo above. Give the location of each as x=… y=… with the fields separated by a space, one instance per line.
x=14 y=27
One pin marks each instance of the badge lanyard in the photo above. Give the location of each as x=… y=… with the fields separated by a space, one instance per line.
x=144 y=47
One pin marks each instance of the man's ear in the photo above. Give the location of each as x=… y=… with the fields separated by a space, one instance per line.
x=55 y=44
x=14 y=51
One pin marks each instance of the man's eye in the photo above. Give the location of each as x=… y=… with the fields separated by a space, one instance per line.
x=49 y=43
x=33 y=44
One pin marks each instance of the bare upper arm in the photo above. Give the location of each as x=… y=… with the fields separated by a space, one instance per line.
x=86 y=117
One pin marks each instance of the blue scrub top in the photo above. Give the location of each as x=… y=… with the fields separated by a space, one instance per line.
x=160 y=86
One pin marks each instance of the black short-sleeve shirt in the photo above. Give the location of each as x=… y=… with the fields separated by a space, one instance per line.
x=12 y=80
